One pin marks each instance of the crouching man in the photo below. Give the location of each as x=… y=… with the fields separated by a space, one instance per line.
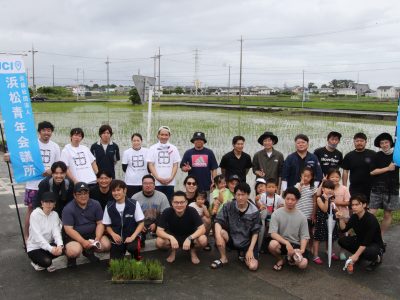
x=82 y=220
x=180 y=226
x=124 y=220
x=237 y=226
x=289 y=232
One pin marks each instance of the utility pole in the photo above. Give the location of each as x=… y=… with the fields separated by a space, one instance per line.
x=159 y=73
x=240 y=75
x=77 y=84
x=229 y=81
x=83 y=76
x=108 y=76
x=53 y=74
x=196 y=70
x=304 y=93
x=357 y=87
x=33 y=51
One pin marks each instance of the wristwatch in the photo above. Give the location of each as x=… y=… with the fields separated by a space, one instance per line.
x=190 y=238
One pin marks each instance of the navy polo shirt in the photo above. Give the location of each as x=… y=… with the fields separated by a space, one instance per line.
x=105 y=160
x=83 y=220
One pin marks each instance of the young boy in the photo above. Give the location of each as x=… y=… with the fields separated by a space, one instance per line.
x=267 y=203
x=124 y=220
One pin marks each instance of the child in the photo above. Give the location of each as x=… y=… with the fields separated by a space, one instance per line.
x=342 y=199
x=306 y=203
x=267 y=202
x=124 y=221
x=324 y=203
x=201 y=208
x=220 y=195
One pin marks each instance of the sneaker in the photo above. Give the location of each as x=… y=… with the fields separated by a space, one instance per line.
x=90 y=256
x=334 y=257
x=71 y=262
x=52 y=268
x=373 y=265
x=343 y=256
x=318 y=260
x=37 y=267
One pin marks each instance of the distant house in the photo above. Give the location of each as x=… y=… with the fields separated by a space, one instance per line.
x=346 y=92
x=387 y=92
x=260 y=90
x=326 y=90
x=361 y=88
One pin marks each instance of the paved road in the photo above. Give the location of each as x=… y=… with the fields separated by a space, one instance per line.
x=18 y=280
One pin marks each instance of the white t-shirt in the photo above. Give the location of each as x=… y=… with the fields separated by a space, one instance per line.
x=198 y=208
x=50 y=154
x=137 y=165
x=79 y=161
x=139 y=216
x=272 y=203
x=164 y=156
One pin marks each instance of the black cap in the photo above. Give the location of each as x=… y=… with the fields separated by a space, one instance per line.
x=382 y=137
x=268 y=134
x=48 y=197
x=80 y=186
x=198 y=135
x=233 y=177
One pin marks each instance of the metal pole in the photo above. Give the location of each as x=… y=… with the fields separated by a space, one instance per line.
x=108 y=77
x=304 y=93
x=13 y=190
x=229 y=82
x=77 y=84
x=33 y=51
x=159 y=73
x=53 y=75
x=240 y=76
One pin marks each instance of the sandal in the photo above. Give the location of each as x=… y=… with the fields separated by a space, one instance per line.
x=277 y=267
x=217 y=264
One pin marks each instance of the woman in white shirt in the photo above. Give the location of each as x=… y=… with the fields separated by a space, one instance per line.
x=45 y=241
x=134 y=164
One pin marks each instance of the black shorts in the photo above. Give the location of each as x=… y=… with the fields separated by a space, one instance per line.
x=284 y=249
x=242 y=251
x=181 y=240
x=66 y=238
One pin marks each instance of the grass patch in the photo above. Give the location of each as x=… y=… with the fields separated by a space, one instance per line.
x=130 y=269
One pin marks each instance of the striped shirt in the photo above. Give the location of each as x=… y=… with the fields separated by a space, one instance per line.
x=306 y=202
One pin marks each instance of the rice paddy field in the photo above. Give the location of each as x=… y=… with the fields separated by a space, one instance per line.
x=219 y=126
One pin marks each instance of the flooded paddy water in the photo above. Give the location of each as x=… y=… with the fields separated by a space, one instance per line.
x=219 y=126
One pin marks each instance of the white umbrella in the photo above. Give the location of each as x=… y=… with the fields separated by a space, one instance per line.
x=331 y=226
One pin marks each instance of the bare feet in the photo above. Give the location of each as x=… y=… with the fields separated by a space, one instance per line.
x=193 y=256
x=171 y=257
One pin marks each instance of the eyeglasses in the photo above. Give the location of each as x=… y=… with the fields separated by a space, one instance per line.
x=148 y=183
x=179 y=202
x=191 y=183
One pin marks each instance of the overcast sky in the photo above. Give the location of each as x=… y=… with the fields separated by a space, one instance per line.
x=328 y=39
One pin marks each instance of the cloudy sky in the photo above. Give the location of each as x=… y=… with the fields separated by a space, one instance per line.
x=339 y=39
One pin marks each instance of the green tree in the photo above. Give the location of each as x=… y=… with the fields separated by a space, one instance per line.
x=134 y=96
x=95 y=86
x=311 y=85
x=179 y=90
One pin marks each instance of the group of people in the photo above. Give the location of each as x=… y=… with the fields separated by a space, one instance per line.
x=80 y=208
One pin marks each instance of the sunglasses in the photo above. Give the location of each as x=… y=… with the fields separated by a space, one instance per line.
x=191 y=183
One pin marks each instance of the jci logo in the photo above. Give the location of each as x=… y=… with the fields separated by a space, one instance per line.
x=10 y=66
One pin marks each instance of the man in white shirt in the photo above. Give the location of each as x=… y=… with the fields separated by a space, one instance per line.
x=50 y=152
x=80 y=161
x=163 y=161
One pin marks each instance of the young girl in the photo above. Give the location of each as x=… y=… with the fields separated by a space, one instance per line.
x=324 y=203
x=342 y=198
x=220 y=195
x=306 y=202
x=200 y=206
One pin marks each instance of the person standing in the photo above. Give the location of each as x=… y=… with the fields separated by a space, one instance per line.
x=134 y=164
x=105 y=151
x=163 y=160
x=236 y=162
x=80 y=161
x=357 y=166
x=385 y=181
x=329 y=157
x=200 y=162
x=268 y=162
x=297 y=161
x=50 y=153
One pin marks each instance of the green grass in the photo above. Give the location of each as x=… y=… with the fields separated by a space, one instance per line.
x=351 y=103
x=396 y=216
x=130 y=269
x=73 y=106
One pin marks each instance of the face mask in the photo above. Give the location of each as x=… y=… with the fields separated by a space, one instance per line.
x=389 y=151
x=332 y=146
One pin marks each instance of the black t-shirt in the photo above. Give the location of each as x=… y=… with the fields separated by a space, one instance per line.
x=328 y=159
x=359 y=165
x=180 y=226
x=236 y=166
x=387 y=182
x=97 y=195
x=367 y=229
